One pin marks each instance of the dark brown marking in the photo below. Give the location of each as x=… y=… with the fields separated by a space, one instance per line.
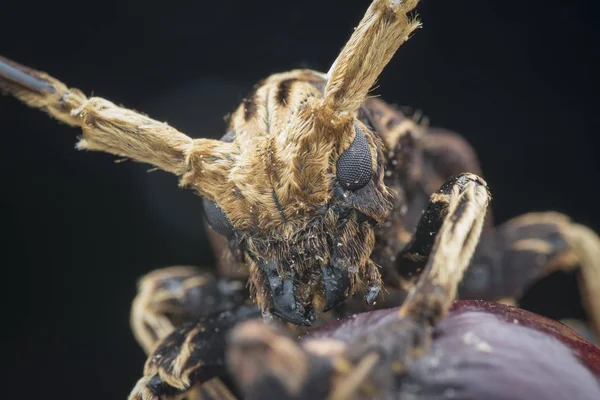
x=279 y=206
x=283 y=91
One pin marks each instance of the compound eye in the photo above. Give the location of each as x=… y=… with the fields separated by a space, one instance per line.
x=355 y=165
x=217 y=219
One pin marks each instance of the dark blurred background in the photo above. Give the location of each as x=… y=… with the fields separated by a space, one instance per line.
x=519 y=80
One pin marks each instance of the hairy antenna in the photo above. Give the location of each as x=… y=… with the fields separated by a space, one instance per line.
x=378 y=36
x=118 y=130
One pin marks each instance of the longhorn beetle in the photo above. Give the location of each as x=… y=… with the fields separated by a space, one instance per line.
x=319 y=193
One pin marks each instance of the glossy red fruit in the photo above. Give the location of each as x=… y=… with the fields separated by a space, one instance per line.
x=490 y=351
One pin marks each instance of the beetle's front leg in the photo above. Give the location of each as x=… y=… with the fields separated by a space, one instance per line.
x=413 y=258
x=457 y=213
x=525 y=249
x=180 y=317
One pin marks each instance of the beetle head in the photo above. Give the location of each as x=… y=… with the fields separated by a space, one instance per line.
x=296 y=184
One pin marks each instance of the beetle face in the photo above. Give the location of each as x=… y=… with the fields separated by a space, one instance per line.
x=298 y=183
x=303 y=189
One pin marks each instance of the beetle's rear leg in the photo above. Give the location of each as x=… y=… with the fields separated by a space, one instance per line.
x=268 y=365
x=527 y=248
x=178 y=311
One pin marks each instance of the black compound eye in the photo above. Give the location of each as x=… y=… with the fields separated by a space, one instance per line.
x=355 y=165
x=217 y=219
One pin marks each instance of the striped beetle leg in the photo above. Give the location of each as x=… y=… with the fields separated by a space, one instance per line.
x=528 y=248
x=180 y=317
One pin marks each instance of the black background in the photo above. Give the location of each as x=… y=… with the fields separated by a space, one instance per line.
x=518 y=79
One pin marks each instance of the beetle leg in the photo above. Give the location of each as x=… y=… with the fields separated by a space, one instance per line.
x=267 y=364
x=413 y=258
x=422 y=158
x=152 y=389
x=169 y=297
x=527 y=248
x=461 y=204
x=179 y=317
x=191 y=355
x=454 y=218
x=419 y=160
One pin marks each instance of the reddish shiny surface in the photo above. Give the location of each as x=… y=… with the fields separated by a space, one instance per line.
x=490 y=351
x=587 y=352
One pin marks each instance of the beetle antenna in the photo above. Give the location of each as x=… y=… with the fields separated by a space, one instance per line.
x=383 y=29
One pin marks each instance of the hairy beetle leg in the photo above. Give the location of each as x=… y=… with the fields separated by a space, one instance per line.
x=510 y=257
x=213 y=389
x=458 y=210
x=268 y=364
x=169 y=297
x=192 y=354
x=179 y=318
x=414 y=257
x=527 y=248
